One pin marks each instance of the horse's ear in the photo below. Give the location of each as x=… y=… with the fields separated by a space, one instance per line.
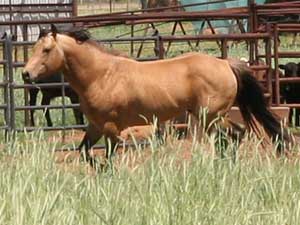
x=54 y=30
x=43 y=33
x=281 y=66
x=4 y=35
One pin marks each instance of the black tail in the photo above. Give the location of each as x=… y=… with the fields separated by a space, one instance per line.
x=251 y=101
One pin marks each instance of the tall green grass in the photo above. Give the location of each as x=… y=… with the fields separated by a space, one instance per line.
x=163 y=187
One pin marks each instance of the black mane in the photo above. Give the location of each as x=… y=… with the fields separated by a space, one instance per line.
x=83 y=35
x=79 y=34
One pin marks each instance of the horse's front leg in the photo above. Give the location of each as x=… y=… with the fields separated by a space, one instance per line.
x=46 y=99
x=225 y=128
x=32 y=102
x=92 y=135
x=77 y=113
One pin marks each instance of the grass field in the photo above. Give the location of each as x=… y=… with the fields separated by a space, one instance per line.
x=176 y=183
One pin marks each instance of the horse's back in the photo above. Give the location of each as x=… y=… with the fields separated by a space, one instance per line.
x=181 y=81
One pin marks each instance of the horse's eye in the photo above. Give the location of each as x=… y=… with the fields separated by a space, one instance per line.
x=46 y=50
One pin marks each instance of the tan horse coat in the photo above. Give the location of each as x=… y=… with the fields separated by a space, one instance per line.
x=117 y=92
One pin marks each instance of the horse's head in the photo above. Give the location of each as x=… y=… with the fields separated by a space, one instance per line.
x=290 y=69
x=47 y=57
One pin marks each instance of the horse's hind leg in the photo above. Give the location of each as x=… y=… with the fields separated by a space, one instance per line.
x=201 y=122
x=227 y=130
x=92 y=135
x=297 y=119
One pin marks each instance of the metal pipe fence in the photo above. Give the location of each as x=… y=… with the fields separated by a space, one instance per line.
x=4 y=85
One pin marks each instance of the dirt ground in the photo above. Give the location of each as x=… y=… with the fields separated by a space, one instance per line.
x=182 y=149
x=134 y=158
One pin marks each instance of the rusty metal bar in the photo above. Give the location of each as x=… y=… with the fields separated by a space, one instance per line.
x=131 y=42
x=5 y=85
x=9 y=49
x=276 y=64
x=268 y=51
x=284 y=55
x=224 y=50
x=259 y=67
x=63 y=90
x=214 y=14
x=71 y=127
x=25 y=57
x=74 y=8
x=172 y=33
x=36 y=10
x=212 y=31
x=252 y=29
x=277 y=5
x=246 y=36
x=161 y=49
x=289 y=79
x=69 y=106
x=35 y=5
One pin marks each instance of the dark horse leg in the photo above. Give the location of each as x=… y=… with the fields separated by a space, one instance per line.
x=46 y=101
x=297 y=119
x=92 y=135
x=32 y=102
x=229 y=129
x=77 y=113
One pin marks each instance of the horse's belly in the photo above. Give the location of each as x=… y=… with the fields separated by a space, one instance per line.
x=136 y=109
x=146 y=112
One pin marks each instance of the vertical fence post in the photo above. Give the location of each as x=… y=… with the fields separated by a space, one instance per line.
x=131 y=35
x=252 y=24
x=63 y=95
x=26 y=90
x=276 y=65
x=268 y=54
x=6 y=88
x=224 y=46
x=160 y=47
x=10 y=85
x=74 y=8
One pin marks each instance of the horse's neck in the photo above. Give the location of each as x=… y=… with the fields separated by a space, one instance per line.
x=85 y=65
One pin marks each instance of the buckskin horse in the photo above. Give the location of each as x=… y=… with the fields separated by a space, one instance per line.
x=117 y=92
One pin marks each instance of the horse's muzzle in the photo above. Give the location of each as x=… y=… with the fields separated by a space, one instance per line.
x=26 y=76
